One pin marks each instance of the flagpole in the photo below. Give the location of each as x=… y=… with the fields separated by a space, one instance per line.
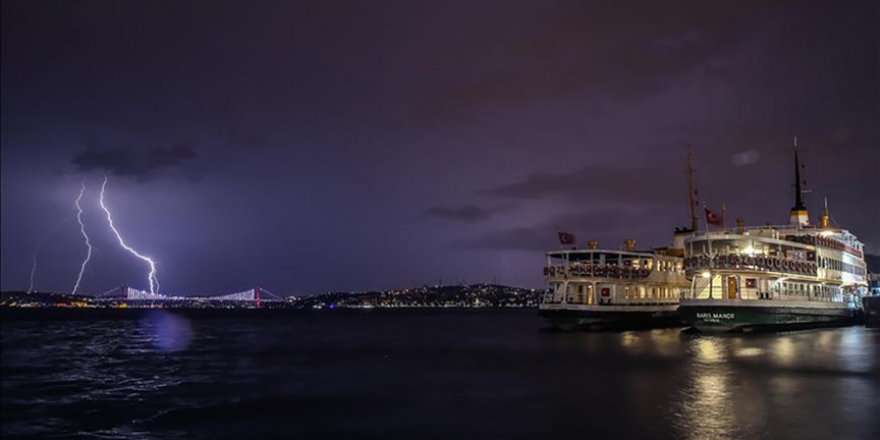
x=723 y=216
x=705 y=217
x=706 y=221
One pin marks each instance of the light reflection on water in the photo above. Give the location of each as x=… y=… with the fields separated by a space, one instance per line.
x=821 y=383
x=407 y=374
x=167 y=331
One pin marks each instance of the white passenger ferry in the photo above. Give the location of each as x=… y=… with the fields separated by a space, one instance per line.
x=792 y=276
x=598 y=289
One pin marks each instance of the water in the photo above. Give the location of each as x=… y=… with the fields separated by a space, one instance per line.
x=428 y=374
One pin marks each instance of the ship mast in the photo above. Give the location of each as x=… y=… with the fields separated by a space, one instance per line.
x=692 y=191
x=798 y=191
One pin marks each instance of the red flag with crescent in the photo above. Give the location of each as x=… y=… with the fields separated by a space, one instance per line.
x=712 y=217
x=566 y=238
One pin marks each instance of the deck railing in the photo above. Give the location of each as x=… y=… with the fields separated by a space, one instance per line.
x=747 y=262
x=596 y=271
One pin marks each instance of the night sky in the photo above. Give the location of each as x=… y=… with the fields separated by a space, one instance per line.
x=317 y=146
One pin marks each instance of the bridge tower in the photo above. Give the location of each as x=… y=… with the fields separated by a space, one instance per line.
x=257 y=296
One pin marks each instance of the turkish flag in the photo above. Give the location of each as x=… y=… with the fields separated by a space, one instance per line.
x=566 y=238
x=712 y=218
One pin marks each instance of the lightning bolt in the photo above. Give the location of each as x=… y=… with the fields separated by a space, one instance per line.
x=40 y=246
x=82 y=230
x=154 y=281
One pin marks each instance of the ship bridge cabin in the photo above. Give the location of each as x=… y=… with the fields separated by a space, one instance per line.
x=609 y=277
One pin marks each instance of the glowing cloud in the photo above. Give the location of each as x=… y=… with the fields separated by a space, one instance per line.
x=154 y=281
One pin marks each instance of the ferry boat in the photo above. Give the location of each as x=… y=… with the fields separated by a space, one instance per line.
x=612 y=289
x=774 y=277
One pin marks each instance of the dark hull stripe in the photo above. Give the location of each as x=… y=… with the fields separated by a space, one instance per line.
x=733 y=318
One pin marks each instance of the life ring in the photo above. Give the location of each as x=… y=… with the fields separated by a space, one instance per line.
x=734 y=260
x=777 y=263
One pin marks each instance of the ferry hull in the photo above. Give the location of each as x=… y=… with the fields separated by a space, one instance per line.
x=584 y=319
x=708 y=317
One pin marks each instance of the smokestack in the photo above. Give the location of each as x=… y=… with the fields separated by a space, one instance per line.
x=740 y=225
x=825 y=218
x=592 y=245
x=630 y=244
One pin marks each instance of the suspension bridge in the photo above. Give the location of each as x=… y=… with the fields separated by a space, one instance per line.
x=255 y=296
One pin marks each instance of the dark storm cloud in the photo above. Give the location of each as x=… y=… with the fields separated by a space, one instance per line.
x=593 y=184
x=611 y=49
x=520 y=239
x=609 y=225
x=128 y=162
x=466 y=213
x=249 y=139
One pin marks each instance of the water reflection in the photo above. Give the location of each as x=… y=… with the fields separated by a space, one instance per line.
x=243 y=378
x=709 y=350
x=783 y=350
x=167 y=331
x=662 y=343
x=749 y=386
x=705 y=405
x=855 y=351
